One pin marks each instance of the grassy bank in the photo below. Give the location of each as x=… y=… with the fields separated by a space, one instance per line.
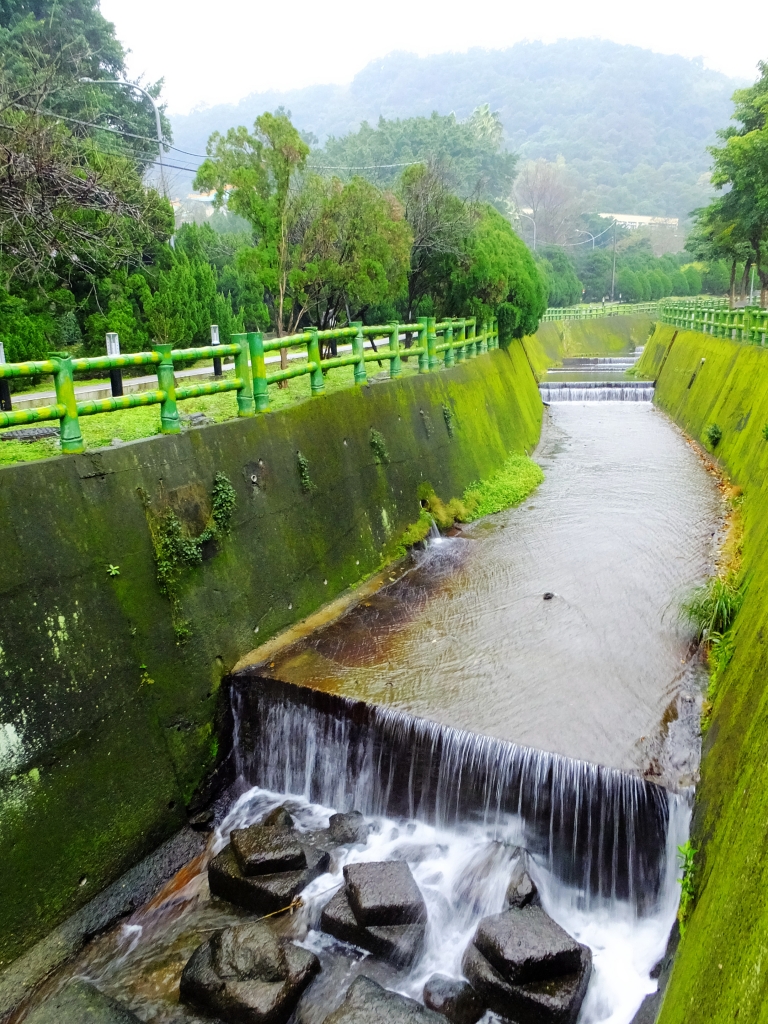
x=719 y=973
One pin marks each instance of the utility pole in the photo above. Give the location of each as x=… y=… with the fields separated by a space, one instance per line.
x=613 y=272
x=158 y=124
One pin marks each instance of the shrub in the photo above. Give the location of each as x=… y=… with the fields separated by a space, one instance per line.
x=713 y=434
x=713 y=607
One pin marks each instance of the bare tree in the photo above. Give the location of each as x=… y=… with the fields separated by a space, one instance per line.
x=544 y=192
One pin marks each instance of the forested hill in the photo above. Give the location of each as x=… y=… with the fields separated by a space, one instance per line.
x=633 y=125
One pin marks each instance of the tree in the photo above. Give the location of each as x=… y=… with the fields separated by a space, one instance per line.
x=544 y=191
x=693 y=279
x=255 y=175
x=440 y=222
x=355 y=250
x=497 y=276
x=471 y=152
x=735 y=224
x=564 y=286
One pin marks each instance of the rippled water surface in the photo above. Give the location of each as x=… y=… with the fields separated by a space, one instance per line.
x=621 y=529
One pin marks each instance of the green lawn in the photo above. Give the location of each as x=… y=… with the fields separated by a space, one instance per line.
x=131 y=424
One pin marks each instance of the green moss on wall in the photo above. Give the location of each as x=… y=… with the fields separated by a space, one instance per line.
x=719 y=973
x=109 y=717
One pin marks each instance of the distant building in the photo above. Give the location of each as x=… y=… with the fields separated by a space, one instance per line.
x=633 y=221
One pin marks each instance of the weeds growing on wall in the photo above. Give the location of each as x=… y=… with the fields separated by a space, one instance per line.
x=176 y=550
x=687 y=854
x=448 y=417
x=379 y=446
x=713 y=607
x=302 y=466
x=714 y=435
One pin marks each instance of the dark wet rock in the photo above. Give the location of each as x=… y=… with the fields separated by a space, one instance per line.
x=521 y=891
x=263 y=894
x=400 y=944
x=81 y=1003
x=278 y=818
x=348 y=828
x=265 y=850
x=384 y=893
x=202 y=821
x=247 y=976
x=367 y=1002
x=455 y=999
x=526 y=968
x=527 y=945
x=555 y=1001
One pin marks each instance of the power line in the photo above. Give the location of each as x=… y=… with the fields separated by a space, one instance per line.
x=572 y=245
x=104 y=128
x=367 y=167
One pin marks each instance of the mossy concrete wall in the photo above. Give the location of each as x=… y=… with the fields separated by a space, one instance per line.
x=719 y=973
x=109 y=724
x=606 y=336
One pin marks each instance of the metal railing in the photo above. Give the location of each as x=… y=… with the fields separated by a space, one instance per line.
x=598 y=310
x=437 y=345
x=749 y=324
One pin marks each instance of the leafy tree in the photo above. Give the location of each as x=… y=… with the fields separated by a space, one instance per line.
x=440 y=222
x=498 y=277
x=679 y=283
x=471 y=152
x=564 y=286
x=692 y=279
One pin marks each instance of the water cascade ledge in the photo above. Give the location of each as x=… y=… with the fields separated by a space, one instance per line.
x=596 y=391
x=598 y=830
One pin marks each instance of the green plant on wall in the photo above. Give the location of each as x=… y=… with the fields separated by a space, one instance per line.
x=448 y=417
x=765 y=432
x=176 y=551
x=713 y=434
x=302 y=465
x=379 y=446
x=687 y=854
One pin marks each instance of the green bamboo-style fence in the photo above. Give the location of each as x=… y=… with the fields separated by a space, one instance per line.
x=749 y=324
x=437 y=345
x=599 y=310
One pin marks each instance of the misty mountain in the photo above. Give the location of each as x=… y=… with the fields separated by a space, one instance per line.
x=632 y=125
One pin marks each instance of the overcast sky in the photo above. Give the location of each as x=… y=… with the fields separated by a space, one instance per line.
x=219 y=52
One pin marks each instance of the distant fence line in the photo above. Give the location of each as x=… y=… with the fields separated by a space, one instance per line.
x=749 y=324
x=598 y=310
x=459 y=339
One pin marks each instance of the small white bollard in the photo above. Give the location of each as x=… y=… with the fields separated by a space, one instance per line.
x=115 y=373
x=215 y=341
x=5 y=388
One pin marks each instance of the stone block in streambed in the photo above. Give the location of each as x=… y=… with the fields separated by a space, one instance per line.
x=348 y=828
x=379 y=909
x=384 y=893
x=526 y=968
x=246 y=975
x=455 y=999
x=81 y=1003
x=266 y=866
x=400 y=944
x=367 y=1002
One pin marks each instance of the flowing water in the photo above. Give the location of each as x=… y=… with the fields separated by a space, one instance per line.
x=517 y=691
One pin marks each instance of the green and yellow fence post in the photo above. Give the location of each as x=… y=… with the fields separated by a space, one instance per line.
x=461 y=354
x=258 y=371
x=317 y=383
x=64 y=381
x=358 y=343
x=169 y=413
x=245 y=403
x=448 y=339
x=483 y=342
x=472 y=346
x=395 y=367
x=433 y=361
x=423 y=323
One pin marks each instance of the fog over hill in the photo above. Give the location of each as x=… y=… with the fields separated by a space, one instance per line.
x=631 y=124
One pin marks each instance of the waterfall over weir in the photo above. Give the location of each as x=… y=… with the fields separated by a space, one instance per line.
x=596 y=391
x=599 y=831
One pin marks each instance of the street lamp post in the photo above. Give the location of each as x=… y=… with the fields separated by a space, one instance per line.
x=578 y=232
x=530 y=218
x=158 y=124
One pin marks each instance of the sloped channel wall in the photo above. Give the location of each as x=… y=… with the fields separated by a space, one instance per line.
x=110 y=702
x=719 y=973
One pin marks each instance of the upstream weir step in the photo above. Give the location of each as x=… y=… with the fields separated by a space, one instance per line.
x=600 y=830
x=596 y=391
